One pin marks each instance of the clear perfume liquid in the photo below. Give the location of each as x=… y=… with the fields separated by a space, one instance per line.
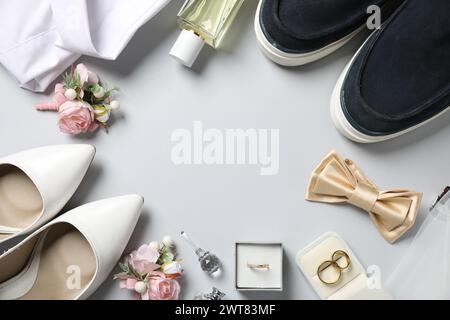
x=210 y=19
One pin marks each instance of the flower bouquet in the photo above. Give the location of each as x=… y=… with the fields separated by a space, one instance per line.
x=82 y=102
x=152 y=271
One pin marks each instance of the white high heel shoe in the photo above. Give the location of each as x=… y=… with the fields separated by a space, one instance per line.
x=72 y=255
x=36 y=184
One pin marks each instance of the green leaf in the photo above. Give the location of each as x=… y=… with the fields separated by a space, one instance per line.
x=71 y=81
x=120 y=275
x=135 y=274
x=166 y=257
x=94 y=88
x=124 y=267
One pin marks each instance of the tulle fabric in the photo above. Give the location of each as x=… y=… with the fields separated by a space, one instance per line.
x=424 y=271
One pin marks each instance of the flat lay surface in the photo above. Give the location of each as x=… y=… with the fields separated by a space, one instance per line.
x=235 y=87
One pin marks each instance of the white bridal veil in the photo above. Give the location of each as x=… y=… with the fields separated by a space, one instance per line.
x=424 y=271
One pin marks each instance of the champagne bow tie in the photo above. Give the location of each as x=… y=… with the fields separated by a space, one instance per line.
x=336 y=180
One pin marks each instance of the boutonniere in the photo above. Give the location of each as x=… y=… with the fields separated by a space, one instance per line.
x=82 y=101
x=151 y=271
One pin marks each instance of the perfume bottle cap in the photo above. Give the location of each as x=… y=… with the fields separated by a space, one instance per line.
x=187 y=47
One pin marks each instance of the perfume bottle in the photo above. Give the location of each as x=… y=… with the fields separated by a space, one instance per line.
x=202 y=21
x=208 y=261
x=216 y=294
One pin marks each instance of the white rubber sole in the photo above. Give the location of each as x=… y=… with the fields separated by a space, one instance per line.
x=345 y=127
x=294 y=59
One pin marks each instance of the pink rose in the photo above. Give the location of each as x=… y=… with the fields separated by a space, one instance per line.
x=86 y=75
x=162 y=288
x=144 y=259
x=76 y=117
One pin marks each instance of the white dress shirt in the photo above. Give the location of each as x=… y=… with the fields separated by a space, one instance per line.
x=39 y=39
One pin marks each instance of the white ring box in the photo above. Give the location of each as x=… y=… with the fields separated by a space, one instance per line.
x=354 y=284
x=258 y=279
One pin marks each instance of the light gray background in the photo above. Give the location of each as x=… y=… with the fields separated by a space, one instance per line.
x=236 y=87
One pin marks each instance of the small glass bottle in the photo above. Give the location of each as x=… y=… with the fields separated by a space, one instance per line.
x=208 y=261
x=202 y=21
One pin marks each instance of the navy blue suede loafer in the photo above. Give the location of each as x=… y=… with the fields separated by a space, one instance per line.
x=400 y=78
x=296 y=32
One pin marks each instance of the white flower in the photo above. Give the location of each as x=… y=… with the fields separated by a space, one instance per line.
x=115 y=105
x=99 y=92
x=173 y=268
x=140 y=287
x=168 y=242
x=70 y=94
x=102 y=114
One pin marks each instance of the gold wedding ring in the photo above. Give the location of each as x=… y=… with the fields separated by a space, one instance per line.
x=339 y=262
x=258 y=266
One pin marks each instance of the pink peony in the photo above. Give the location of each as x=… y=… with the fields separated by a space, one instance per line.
x=86 y=76
x=162 y=288
x=76 y=117
x=144 y=259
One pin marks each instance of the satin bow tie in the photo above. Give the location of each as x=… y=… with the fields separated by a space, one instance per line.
x=336 y=180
